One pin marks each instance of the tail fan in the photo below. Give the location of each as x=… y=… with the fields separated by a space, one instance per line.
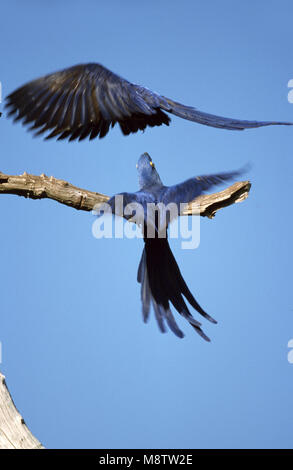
x=161 y=284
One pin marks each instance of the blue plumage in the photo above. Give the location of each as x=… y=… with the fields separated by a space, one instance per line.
x=86 y=100
x=161 y=281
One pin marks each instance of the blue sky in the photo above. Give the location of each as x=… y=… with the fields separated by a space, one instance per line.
x=83 y=368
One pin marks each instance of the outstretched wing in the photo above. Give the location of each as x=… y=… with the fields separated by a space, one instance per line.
x=85 y=100
x=185 y=192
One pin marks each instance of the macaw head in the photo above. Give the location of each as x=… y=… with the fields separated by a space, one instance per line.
x=147 y=173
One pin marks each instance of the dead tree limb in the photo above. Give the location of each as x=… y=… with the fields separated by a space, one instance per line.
x=14 y=434
x=42 y=187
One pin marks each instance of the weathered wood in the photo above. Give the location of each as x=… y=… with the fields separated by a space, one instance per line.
x=207 y=205
x=41 y=187
x=14 y=434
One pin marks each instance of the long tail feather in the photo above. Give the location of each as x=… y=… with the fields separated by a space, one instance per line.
x=193 y=114
x=162 y=284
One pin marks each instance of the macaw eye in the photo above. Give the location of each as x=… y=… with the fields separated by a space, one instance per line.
x=152 y=164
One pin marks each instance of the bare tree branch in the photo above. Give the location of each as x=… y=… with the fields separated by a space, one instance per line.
x=42 y=187
x=207 y=205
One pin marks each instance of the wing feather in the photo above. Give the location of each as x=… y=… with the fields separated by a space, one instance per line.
x=185 y=192
x=84 y=101
x=94 y=98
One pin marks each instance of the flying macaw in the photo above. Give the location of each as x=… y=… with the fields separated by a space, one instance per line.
x=86 y=100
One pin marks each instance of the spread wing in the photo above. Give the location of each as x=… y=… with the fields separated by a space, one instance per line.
x=185 y=192
x=84 y=101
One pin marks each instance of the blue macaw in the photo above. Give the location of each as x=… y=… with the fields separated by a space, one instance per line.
x=85 y=100
x=158 y=273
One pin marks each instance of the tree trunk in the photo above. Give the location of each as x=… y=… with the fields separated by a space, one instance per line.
x=14 y=434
